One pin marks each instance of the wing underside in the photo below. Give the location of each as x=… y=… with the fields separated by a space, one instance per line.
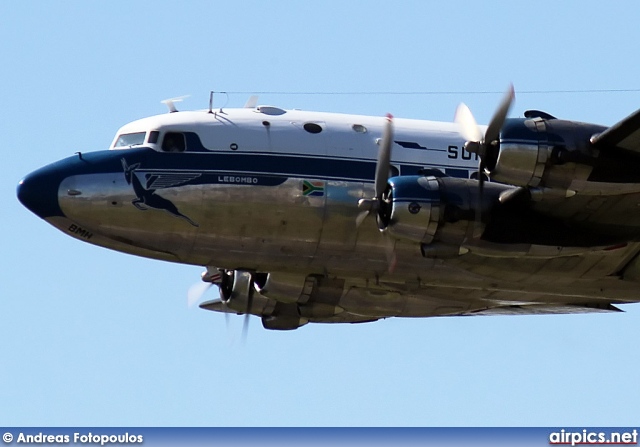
x=354 y=307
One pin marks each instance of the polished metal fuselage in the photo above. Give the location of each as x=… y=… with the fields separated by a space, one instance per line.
x=255 y=191
x=249 y=203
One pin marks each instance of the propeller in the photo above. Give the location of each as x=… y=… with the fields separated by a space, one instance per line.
x=226 y=283
x=383 y=166
x=196 y=292
x=483 y=145
x=377 y=203
x=211 y=276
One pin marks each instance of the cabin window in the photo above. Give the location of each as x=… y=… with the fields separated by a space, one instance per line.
x=130 y=139
x=359 y=128
x=312 y=127
x=153 y=137
x=173 y=142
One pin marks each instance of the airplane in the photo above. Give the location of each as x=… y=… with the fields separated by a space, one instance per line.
x=314 y=217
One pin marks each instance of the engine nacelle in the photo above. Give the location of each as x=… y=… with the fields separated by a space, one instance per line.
x=523 y=153
x=237 y=291
x=283 y=323
x=235 y=288
x=436 y=209
x=283 y=287
x=415 y=208
x=558 y=154
x=312 y=296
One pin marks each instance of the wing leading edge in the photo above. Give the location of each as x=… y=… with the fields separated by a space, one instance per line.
x=624 y=134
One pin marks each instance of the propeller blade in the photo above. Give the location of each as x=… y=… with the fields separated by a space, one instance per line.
x=245 y=328
x=196 y=291
x=497 y=121
x=481 y=167
x=383 y=167
x=247 y=315
x=468 y=125
x=390 y=251
x=361 y=217
x=384 y=158
x=375 y=205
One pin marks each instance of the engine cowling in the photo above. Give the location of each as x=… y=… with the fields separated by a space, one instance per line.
x=544 y=152
x=238 y=292
x=414 y=208
x=283 y=287
x=430 y=209
x=312 y=296
x=522 y=155
x=284 y=322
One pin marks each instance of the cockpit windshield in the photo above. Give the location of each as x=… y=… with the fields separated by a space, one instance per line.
x=130 y=139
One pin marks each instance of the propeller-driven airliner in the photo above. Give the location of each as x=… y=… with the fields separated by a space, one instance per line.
x=311 y=217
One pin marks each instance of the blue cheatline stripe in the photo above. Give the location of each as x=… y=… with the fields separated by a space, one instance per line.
x=280 y=166
x=457 y=173
x=284 y=165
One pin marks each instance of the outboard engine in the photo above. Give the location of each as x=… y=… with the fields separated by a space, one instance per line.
x=541 y=151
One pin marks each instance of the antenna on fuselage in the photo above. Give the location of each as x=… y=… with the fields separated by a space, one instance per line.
x=252 y=102
x=171 y=102
x=211 y=102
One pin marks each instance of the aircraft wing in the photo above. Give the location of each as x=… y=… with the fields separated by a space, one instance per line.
x=624 y=134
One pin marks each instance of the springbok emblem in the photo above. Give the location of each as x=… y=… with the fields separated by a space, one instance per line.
x=146 y=197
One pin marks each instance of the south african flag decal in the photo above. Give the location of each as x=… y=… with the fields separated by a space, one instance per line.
x=313 y=189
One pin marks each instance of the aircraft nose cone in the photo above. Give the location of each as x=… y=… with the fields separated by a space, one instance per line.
x=38 y=192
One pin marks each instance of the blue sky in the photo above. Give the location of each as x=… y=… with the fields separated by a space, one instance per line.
x=93 y=337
